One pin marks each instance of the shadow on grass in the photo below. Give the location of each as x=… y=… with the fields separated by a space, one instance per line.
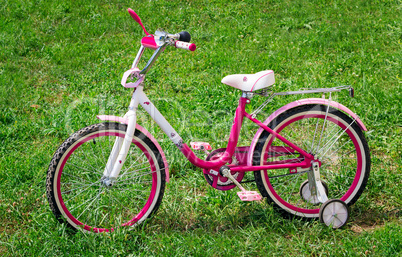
x=369 y=219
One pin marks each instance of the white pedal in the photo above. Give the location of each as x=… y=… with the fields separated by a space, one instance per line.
x=249 y=196
x=243 y=194
x=203 y=146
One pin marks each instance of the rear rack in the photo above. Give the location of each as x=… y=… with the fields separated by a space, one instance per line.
x=271 y=94
x=318 y=90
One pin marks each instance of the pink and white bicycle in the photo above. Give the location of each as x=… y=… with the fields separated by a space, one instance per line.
x=310 y=157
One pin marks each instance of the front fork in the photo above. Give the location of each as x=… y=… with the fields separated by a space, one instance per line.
x=121 y=146
x=314 y=182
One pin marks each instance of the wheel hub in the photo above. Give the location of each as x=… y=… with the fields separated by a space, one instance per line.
x=107 y=182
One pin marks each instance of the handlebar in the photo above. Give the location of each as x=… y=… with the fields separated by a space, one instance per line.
x=149 y=42
x=158 y=42
x=180 y=40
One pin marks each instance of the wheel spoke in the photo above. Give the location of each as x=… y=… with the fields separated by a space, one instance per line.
x=134 y=171
x=323 y=126
x=343 y=131
x=85 y=160
x=89 y=205
x=82 y=191
x=69 y=191
x=131 y=166
x=315 y=132
x=81 y=168
x=138 y=175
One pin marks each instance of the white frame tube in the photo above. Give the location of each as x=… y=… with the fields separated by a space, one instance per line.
x=131 y=115
x=120 y=151
x=113 y=156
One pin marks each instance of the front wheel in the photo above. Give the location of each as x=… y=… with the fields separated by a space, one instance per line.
x=333 y=138
x=76 y=189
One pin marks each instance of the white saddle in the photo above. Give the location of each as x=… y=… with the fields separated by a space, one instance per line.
x=250 y=82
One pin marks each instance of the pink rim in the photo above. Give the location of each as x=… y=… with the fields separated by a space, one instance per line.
x=135 y=218
x=354 y=183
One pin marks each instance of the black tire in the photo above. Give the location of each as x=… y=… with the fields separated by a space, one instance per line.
x=75 y=189
x=344 y=155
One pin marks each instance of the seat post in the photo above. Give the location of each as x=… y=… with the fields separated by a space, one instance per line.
x=247 y=95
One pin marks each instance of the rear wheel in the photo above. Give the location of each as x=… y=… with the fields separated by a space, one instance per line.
x=78 y=193
x=332 y=137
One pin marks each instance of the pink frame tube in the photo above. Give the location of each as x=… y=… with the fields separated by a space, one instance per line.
x=232 y=143
x=304 y=164
x=265 y=127
x=233 y=139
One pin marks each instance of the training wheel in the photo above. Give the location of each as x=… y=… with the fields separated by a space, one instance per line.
x=334 y=213
x=305 y=192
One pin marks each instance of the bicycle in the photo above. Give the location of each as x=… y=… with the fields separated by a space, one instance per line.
x=113 y=174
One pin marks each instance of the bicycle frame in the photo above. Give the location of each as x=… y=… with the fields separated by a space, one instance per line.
x=120 y=150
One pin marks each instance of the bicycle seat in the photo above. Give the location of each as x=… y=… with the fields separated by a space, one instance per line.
x=250 y=82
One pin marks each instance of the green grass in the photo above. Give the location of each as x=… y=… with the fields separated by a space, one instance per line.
x=61 y=64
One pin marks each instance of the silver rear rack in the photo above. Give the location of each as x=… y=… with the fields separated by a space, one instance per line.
x=299 y=92
x=318 y=90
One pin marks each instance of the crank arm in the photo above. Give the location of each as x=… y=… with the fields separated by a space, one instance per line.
x=226 y=173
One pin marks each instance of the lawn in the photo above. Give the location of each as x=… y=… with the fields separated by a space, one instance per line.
x=61 y=63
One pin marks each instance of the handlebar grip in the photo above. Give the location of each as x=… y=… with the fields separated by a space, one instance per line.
x=185 y=45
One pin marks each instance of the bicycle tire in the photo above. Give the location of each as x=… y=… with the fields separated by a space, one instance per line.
x=345 y=161
x=77 y=195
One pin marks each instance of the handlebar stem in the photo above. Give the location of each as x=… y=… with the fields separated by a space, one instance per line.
x=153 y=58
x=138 y=57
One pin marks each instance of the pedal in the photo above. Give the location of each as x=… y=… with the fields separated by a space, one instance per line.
x=243 y=194
x=249 y=196
x=203 y=146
